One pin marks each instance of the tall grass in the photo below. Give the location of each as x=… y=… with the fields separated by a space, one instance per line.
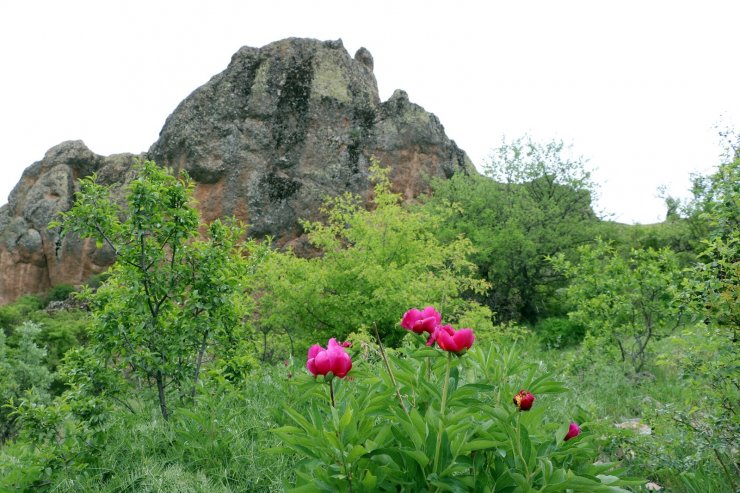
x=215 y=445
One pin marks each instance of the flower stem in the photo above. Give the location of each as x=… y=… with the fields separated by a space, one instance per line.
x=390 y=372
x=331 y=392
x=519 y=445
x=442 y=408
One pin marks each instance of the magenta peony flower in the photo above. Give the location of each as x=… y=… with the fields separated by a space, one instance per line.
x=452 y=340
x=524 y=400
x=573 y=431
x=332 y=360
x=420 y=321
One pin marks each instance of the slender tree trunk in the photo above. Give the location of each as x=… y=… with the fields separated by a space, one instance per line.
x=290 y=338
x=162 y=398
x=199 y=361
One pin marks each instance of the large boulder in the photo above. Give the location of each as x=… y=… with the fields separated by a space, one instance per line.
x=33 y=257
x=265 y=140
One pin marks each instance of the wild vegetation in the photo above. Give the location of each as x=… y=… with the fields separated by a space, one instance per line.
x=496 y=336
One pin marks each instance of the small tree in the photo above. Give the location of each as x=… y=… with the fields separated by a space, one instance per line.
x=711 y=289
x=373 y=264
x=535 y=201
x=624 y=298
x=170 y=294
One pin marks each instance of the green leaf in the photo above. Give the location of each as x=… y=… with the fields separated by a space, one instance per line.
x=474 y=445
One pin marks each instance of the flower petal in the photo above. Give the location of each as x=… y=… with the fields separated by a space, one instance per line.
x=314 y=350
x=464 y=338
x=410 y=318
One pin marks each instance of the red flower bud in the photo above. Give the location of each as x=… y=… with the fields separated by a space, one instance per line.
x=524 y=400
x=573 y=431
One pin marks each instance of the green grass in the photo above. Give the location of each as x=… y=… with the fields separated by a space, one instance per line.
x=216 y=445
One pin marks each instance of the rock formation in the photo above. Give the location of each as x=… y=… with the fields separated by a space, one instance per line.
x=283 y=126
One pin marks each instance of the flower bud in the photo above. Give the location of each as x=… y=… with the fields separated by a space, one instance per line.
x=524 y=400
x=573 y=431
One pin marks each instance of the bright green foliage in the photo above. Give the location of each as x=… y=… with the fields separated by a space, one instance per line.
x=708 y=362
x=373 y=265
x=171 y=295
x=715 y=208
x=534 y=202
x=708 y=353
x=18 y=312
x=623 y=298
x=61 y=331
x=717 y=274
x=438 y=422
x=22 y=371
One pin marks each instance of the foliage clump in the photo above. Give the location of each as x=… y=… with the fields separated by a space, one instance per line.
x=370 y=265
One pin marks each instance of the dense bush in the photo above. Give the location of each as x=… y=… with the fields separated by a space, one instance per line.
x=555 y=332
x=60 y=292
x=18 y=312
x=22 y=374
x=373 y=263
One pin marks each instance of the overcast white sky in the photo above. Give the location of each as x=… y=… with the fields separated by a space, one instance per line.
x=636 y=86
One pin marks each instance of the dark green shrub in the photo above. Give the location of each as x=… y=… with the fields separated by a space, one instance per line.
x=97 y=280
x=557 y=332
x=60 y=292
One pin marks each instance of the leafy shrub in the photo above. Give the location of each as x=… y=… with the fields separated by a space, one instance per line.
x=22 y=373
x=17 y=312
x=175 y=290
x=556 y=332
x=438 y=421
x=97 y=280
x=60 y=292
x=373 y=264
x=624 y=299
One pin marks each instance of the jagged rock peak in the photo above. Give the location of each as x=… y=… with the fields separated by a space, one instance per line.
x=280 y=128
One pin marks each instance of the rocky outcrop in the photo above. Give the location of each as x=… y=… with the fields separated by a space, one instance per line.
x=32 y=257
x=282 y=127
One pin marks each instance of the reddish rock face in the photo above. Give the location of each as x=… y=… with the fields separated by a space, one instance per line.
x=282 y=127
x=32 y=257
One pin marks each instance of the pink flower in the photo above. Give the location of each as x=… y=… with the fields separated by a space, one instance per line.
x=573 y=431
x=524 y=400
x=452 y=340
x=332 y=360
x=420 y=321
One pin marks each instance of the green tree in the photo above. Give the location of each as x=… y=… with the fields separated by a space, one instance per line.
x=171 y=294
x=627 y=299
x=373 y=265
x=534 y=202
x=709 y=353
